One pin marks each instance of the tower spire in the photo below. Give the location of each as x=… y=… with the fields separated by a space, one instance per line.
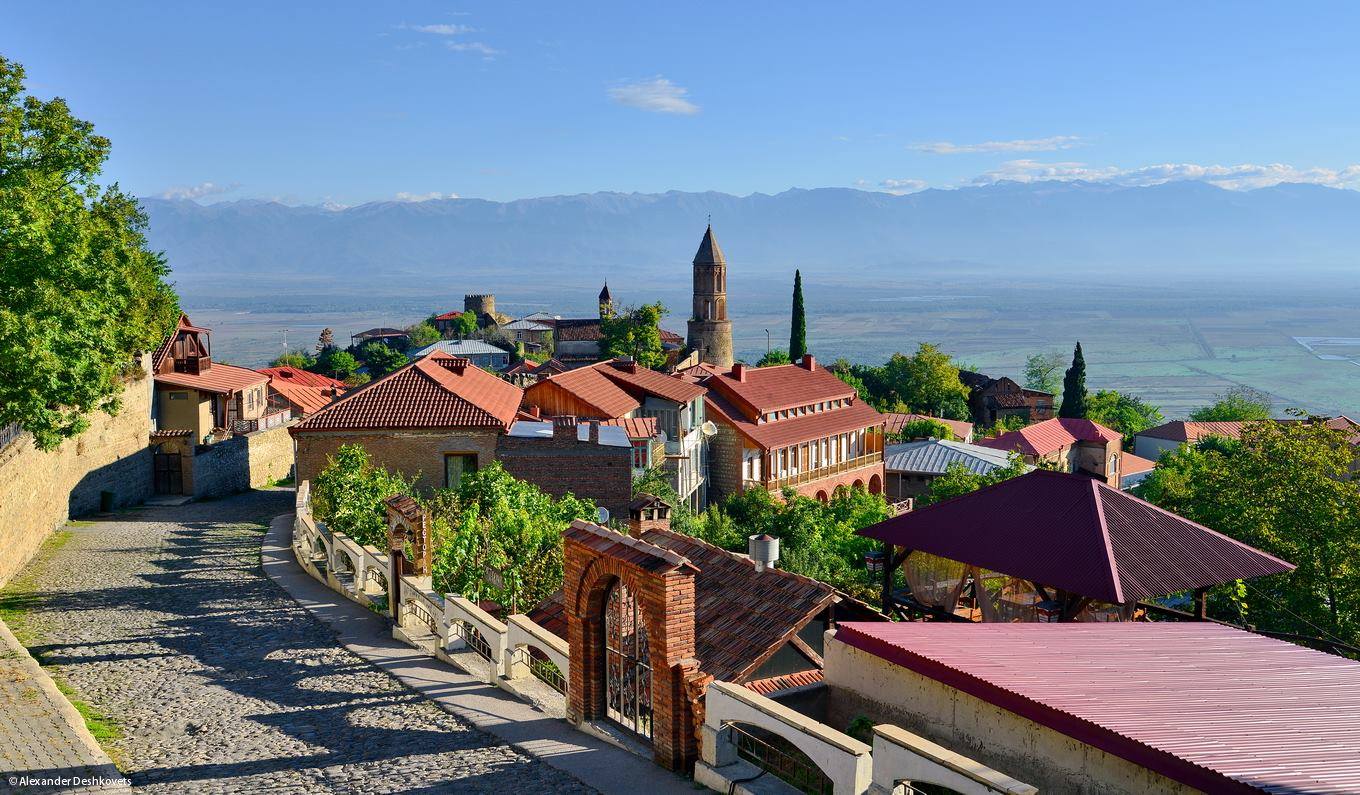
x=710 y=332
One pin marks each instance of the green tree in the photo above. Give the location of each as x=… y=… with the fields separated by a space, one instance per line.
x=422 y=334
x=1003 y=424
x=464 y=325
x=299 y=358
x=1237 y=404
x=381 y=359
x=495 y=523
x=83 y=295
x=923 y=428
x=635 y=332
x=325 y=340
x=1041 y=372
x=336 y=364
x=959 y=479
x=1287 y=489
x=773 y=357
x=1074 y=388
x=798 y=325
x=348 y=495
x=1128 y=414
x=928 y=383
x=855 y=381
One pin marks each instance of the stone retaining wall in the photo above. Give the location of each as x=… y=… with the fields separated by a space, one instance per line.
x=242 y=462
x=40 y=491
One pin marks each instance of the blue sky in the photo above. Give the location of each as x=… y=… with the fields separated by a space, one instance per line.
x=347 y=103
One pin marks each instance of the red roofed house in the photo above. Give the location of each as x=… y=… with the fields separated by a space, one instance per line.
x=305 y=392
x=1074 y=445
x=198 y=395
x=793 y=425
x=992 y=399
x=1123 y=709
x=895 y=422
x=1152 y=442
x=432 y=419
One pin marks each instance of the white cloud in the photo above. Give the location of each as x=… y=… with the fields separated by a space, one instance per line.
x=1050 y=144
x=199 y=191
x=484 y=50
x=655 y=95
x=403 y=196
x=440 y=30
x=897 y=187
x=1244 y=176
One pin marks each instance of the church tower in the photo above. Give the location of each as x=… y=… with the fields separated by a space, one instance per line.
x=606 y=303
x=710 y=332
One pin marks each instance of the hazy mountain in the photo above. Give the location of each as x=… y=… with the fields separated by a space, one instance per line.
x=1046 y=229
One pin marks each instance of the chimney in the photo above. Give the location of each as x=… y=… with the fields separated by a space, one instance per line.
x=764 y=550
x=648 y=512
x=627 y=364
x=535 y=412
x=594 y=431
x=739 y=371
x=809 y=362
x=564 y=427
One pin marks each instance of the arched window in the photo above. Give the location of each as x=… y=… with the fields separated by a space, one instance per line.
x=627 y=662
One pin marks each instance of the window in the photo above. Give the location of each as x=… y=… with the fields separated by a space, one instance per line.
x=179 y=395
x=456 y=465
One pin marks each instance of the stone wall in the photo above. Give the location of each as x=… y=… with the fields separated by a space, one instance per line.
x=724 y=463
x=859 y=683
x=40 y=490
x=416 y=454
x=242 y=462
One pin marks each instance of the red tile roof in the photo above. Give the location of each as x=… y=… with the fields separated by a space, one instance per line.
x=577 y=330
x=635 y=427
x=310 y=392
x=1078 y=534
x=636 y=378
x=589 y=386
x=436 y=391
x=962 y=430
x=775 y=684
x=221 y=379
x=779 y=387
x=782 y=433
x=1215 y=708
x=1050 y=436
x=295 y=375
x=450 y=315
x=1130 y=464
x=1182 y=431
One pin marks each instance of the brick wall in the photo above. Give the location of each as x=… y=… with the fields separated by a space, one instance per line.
x=724 y=463
x=563 y=464
x=40 y=490
x=416 y=454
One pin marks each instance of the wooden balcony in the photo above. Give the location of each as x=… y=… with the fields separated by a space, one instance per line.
x=795 y=480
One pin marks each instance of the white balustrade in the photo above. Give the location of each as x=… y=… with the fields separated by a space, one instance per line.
x=521 y=635
x=903 y=757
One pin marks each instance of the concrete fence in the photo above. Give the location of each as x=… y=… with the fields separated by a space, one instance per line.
x=898 y=761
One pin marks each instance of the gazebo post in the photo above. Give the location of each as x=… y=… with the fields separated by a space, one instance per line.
x=888 y=567
x=1201 y=604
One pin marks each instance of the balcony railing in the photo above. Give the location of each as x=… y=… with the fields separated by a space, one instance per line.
x=798 y=479
x=271 y=420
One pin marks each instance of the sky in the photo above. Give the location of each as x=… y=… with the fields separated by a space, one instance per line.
x=345 y=103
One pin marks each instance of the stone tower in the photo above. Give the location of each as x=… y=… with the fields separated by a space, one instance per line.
x=710 y=332
x=480 y=304
x=606 y=302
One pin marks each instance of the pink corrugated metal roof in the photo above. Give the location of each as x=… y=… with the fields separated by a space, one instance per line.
x=1216 y=708
x=1049 y=436
x=1078 y=534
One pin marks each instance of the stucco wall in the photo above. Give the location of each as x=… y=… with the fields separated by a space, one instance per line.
x=40 y=490
x=859 y=683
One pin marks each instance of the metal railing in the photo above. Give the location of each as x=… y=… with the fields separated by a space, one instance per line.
x=473 y=638
x=10 y=433
x=272 y=420
x=774 y=484
x=780 y=758
x=543 y=669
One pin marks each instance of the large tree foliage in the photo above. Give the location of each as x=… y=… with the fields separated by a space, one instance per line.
x=772 y=357
x=1041 y=372
x=422 y=334
x=927 y=382
x=1128 y=414
x=381 y=359
x=959 y=479
x=798 y=324
x=1239 y=403
x=464 y=325
x=82 y=293
x=348 y=495
x=924 y=428
x=635 y=332
x=299 y=358
x=335 y=363
x=1287 y=489
x=1074 y=388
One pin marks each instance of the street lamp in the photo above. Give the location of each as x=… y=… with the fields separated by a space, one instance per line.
x=767 y=342
x=873 y=561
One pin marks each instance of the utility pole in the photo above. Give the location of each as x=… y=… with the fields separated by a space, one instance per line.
x=767 y=342
x=285 y=340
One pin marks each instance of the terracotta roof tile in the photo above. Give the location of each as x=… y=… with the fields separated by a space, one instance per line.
x=635 y=377
x=437 y=391
x=635 y=427
x=577 y=330
x=1049 y=436
x=781 y=433
x=1182 y=431
x=779 y=387
x=589 y=386
x=302 y=377
x=772 y=685
x=219 y=378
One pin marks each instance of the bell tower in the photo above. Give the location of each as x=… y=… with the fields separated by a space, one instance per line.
x=710 y=332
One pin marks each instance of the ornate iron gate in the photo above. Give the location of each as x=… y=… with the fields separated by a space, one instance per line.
x=627 y=662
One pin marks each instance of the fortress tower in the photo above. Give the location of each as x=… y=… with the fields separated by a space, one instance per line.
x=480 y=304
x=710 y=332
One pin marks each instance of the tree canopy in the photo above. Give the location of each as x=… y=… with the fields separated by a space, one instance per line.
x=959 y=479
x=774 y=356
x=1237 y=404
x=83 y=294
x=1041 y=372
x=336 y=364
x=324 y=340
x=464 y=325
x=299 y=358
x=798 y=324
x=381 y=359
x=422 y=334
x=924 y=428
x=635 y=332
x=1286 y=488
x=1128 y=414
x=1074 y=388
x=348 y=495
x=927 y=382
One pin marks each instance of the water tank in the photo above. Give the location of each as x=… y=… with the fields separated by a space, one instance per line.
x=764 y=550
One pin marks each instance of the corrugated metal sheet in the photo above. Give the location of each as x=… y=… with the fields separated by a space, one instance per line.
x=1077 y=534
x=1217 y=708
x=933 y=457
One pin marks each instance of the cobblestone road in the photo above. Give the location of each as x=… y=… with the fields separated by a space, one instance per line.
x=163 y=619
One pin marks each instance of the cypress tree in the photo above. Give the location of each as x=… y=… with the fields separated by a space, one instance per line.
x=798 y=326
x=1074 y=388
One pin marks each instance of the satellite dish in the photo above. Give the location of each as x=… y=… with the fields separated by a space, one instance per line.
x=708 y=428
x=604 y=515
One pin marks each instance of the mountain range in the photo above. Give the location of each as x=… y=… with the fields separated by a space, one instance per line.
x=1012 y=230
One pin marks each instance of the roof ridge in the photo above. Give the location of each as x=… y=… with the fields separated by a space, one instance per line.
x=1104 y=526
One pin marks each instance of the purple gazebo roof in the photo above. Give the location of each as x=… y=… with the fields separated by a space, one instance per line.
x=1078 y=534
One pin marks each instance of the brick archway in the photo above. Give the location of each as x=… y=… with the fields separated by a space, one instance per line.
x=594 y=559
x=822 y=498
x=875 y=485
x=858 y=484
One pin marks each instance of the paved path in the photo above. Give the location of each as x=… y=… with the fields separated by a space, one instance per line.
x=163 y=619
